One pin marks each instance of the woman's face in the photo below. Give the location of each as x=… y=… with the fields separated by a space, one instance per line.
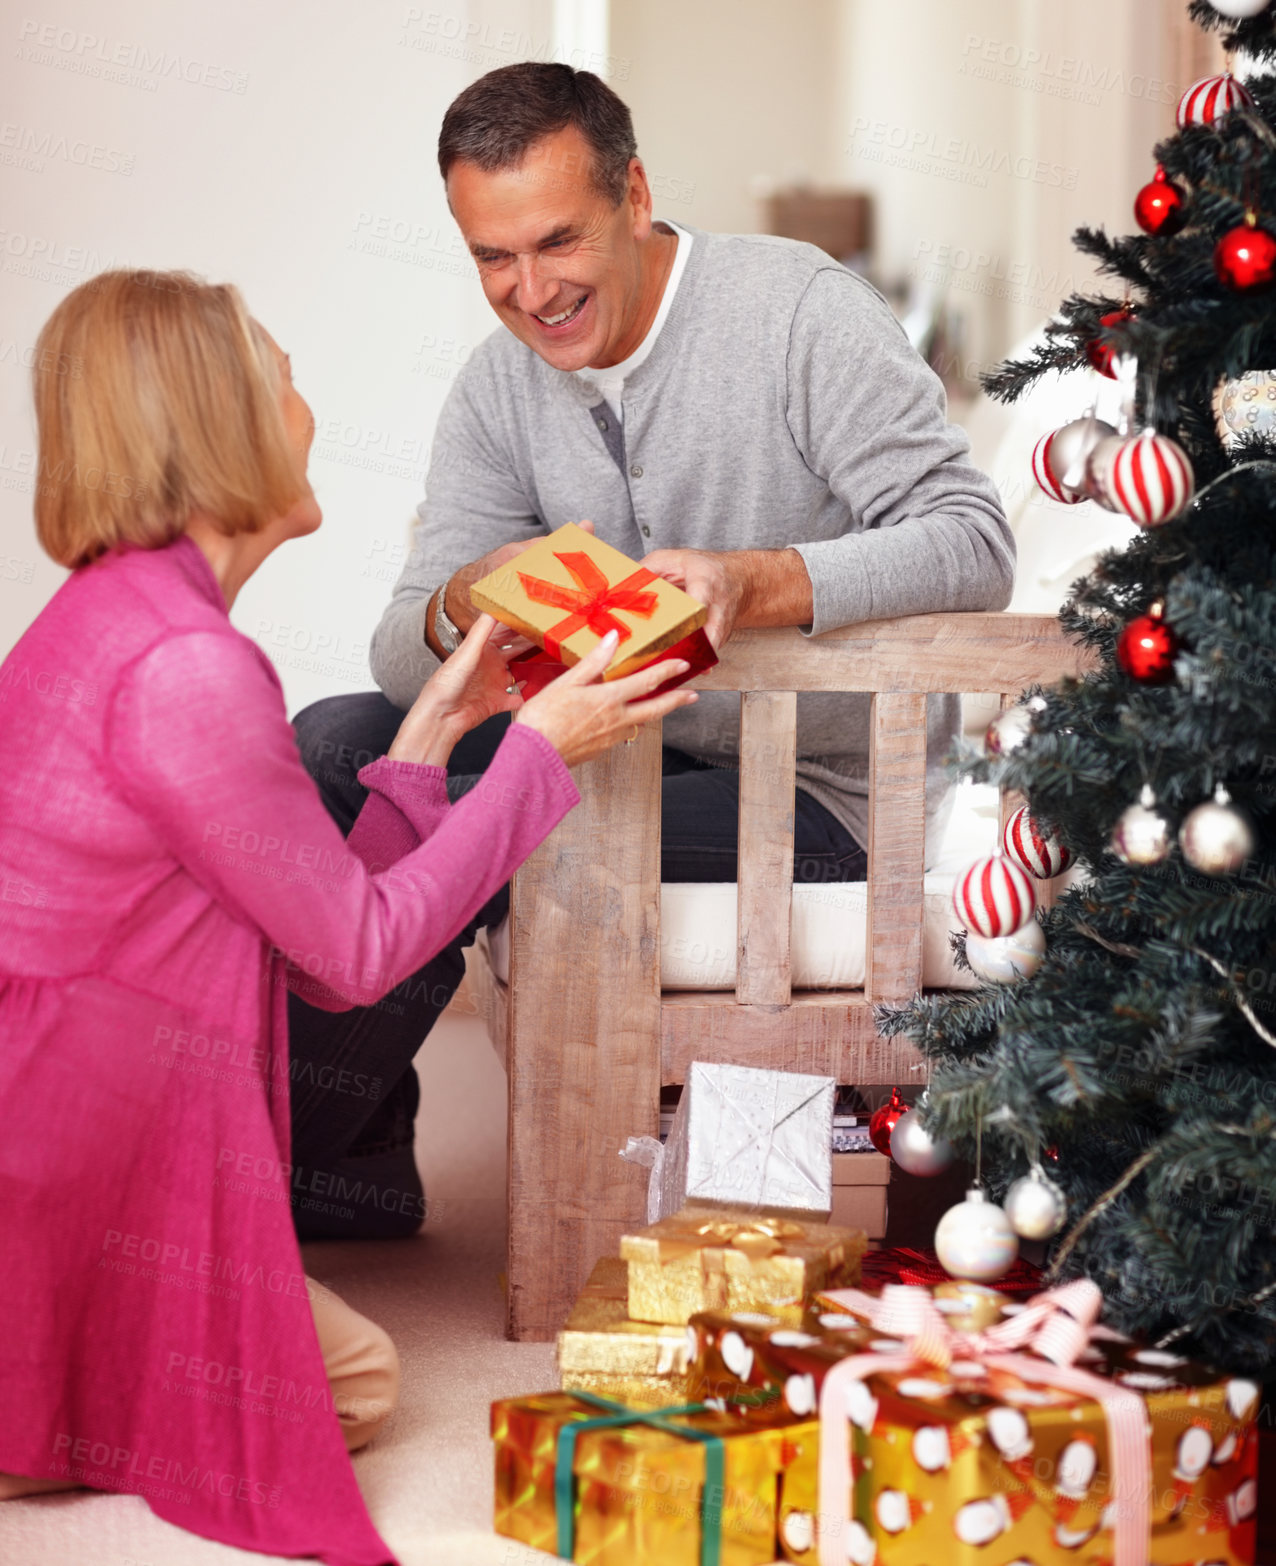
x=300 y=424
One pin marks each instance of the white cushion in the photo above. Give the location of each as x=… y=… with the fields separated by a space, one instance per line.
x=698 y=919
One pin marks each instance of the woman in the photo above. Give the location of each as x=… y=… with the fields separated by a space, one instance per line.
x=156 y=1329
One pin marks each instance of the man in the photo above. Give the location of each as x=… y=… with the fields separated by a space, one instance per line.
x=740 y=412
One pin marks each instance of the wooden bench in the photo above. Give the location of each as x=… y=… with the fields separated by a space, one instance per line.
x=587 y=1036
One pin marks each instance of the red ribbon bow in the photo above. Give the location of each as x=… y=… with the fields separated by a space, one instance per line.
x=594 y=602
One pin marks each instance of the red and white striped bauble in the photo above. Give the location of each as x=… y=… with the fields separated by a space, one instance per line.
x=1043 y=472
x=994 y=897
x=1148 y=477
x=1210 y=98
x=1031 y=850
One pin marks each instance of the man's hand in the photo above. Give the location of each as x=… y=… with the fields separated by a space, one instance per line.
x=460 y=610
x=740 y=587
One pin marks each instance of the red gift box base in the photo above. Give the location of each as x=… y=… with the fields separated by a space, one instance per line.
x=535 y=670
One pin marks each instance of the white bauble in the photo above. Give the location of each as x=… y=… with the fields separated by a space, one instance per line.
x=974 y=1239
x=915 y=1150
x=1010 y=728
x=1216 y=838
x=1142 y=834
x=1035 y=1206
x=1002 y=959
x=1239 y=10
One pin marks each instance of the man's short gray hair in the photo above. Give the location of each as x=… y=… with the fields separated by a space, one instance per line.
x=498 y=118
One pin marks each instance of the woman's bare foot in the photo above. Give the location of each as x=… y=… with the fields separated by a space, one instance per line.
x=14 y=1485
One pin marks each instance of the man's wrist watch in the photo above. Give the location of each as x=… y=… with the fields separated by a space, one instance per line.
x=446 y=632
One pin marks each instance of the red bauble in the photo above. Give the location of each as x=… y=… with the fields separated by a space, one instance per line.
x=884 y=1120
x=1158 y=207
x=1245 y=257
x=1145 y=649
x=1099 y=354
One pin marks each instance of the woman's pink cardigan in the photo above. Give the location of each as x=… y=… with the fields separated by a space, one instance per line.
x=166 y=870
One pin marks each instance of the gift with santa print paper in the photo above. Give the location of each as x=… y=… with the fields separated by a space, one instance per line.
x=1033 y=1435
x=569 y=589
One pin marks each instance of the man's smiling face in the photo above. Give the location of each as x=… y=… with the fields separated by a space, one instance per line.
x=559 y=264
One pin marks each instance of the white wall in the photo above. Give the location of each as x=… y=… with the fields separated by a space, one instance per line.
x=288 y=148
x=725 y=93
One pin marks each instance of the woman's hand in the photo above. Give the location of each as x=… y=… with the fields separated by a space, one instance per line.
x=470 y=686
x=581 y=716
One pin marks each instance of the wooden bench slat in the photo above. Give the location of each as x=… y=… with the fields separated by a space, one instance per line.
x=896 y=846
x=584 y=1029
x=828 y=1033
x=925 y=652
x=768 y=755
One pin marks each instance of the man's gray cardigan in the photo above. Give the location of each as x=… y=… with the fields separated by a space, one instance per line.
x=781 y=405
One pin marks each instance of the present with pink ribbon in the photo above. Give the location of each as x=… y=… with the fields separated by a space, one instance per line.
x=1040 y=1437
x=569 y=589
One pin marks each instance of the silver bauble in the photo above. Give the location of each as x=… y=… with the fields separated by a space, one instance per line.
x=1010 y=728
x=1245 y=406
x=1142 y=835
x=915 y=1150
x=1216 y=837
x=1003 y=959
x=1070 y=449
x=1035 y=1206
x=1239 y=10
x=974 y=1239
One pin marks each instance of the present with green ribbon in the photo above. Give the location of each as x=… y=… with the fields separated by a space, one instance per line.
x=589 y=1480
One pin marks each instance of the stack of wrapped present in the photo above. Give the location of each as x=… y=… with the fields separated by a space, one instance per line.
x=627 y=1335
x=906 y=1428
x=729 y=1399
x=622 y=1465
x=737 y=1199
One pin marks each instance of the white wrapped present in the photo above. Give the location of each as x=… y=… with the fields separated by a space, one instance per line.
x=744 y=1138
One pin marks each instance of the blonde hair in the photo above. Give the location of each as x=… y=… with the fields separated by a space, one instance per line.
x=174 y=410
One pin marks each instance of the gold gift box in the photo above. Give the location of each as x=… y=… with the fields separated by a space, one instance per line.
x=602 y=1350
x=639 y=1491
x=714 y=1259
x=536 y=591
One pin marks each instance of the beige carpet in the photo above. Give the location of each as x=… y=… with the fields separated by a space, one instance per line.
x=427 y=1478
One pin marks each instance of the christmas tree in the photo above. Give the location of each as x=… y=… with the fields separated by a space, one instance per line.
x=1135 y=1069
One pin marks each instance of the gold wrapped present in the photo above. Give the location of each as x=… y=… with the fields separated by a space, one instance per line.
x=712 y=1259
x=585 y=1479
x=569 y=589
x=971 y=1447
x=601 y=1350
